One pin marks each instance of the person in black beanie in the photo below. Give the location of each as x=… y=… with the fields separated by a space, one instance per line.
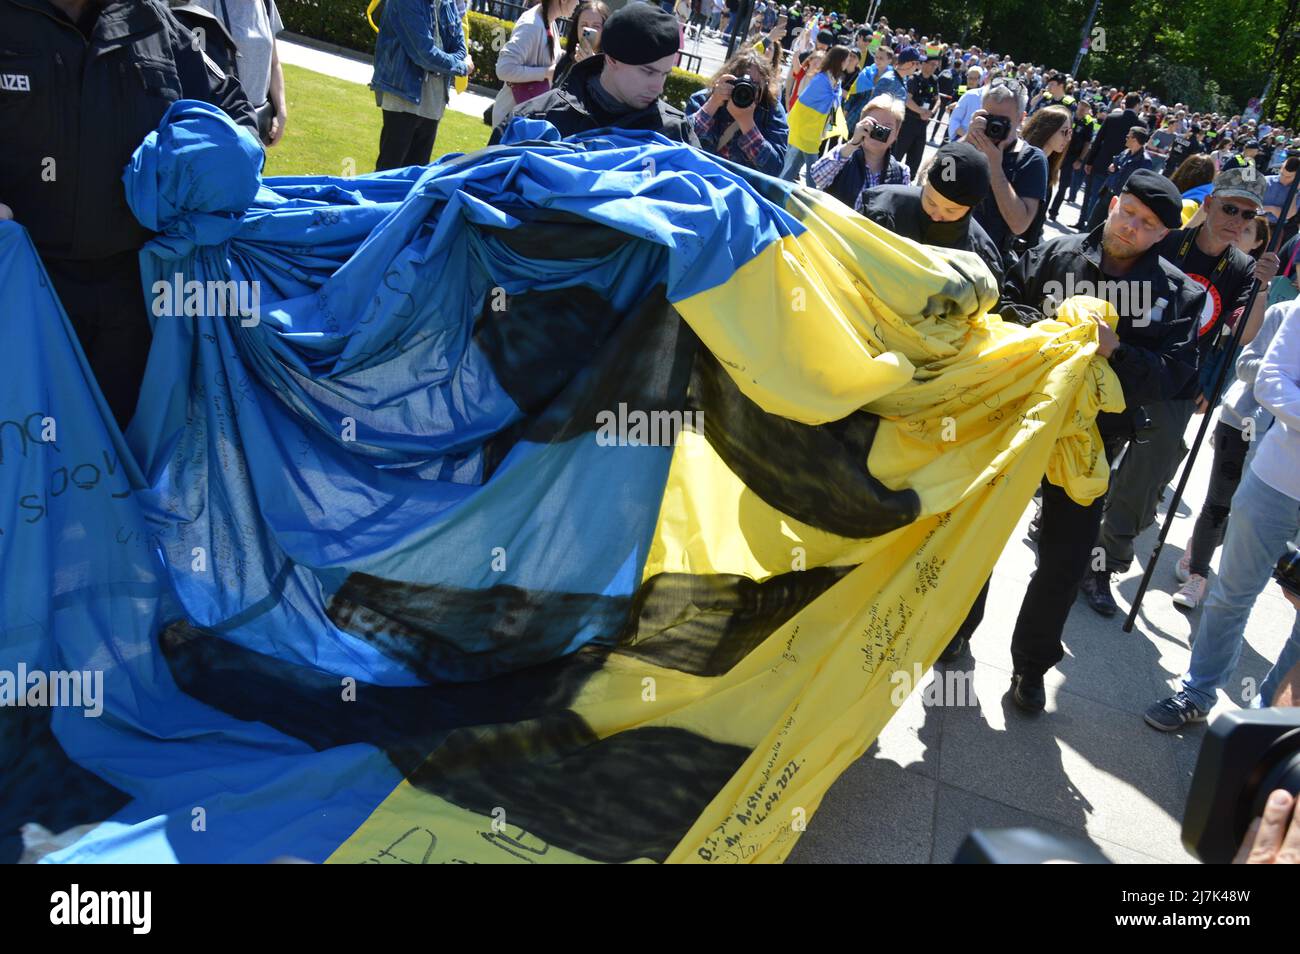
x=622 y=86
x=939 y=212
x=1152 y=351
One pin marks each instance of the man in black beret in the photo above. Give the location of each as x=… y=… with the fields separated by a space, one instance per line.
x=1152 y=351
x=622 y=86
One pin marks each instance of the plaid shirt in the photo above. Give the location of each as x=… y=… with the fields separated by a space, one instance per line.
x=743 y=147
x=826 y=168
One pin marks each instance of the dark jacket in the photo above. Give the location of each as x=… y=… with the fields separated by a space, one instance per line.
x=73 y=111
x=899 y=209
x=572 y=109
x=1110 y=138
x=1126 y=163
x=1081 y=133
x=852 y=178
x=1156 y=359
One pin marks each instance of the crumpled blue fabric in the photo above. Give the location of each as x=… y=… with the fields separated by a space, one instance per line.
x=344 y=433
x=193 y=178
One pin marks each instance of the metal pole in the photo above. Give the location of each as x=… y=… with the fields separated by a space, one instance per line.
x=1230 y=363
x=740 y=26
x=1084 y=38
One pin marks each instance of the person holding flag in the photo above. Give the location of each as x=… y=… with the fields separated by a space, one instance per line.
x=813 y=112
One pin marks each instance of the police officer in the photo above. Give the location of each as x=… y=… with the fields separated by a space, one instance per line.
x=1053 y=94
x=83 y=82
x=1152 y=352
x=921 y=104
x=1071 y=178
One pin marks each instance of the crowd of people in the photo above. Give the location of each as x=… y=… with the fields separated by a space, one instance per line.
x=1175 y=212
x=1176 y=208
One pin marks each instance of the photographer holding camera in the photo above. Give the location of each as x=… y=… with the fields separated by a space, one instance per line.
x=583 y=39
x=865 y=161
x=1019 y=170
x=740 y=117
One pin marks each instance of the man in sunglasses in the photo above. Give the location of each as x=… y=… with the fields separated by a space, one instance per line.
x=1208 y=255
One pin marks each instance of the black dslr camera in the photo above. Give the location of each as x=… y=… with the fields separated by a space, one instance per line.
x=997 y=128
x=878 y=132
x=743 y=93
x=1247 y=754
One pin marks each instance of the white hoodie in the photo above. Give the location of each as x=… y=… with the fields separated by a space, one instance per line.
x=1277 y=388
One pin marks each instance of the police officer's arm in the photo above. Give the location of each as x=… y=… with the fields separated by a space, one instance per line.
x=202 y=79
x=1096 y=142
x=1159 y=374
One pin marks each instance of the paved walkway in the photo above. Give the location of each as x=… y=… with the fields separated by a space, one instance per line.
x=1089 y=766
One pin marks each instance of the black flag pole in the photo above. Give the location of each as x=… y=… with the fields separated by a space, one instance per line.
x=1219 y=381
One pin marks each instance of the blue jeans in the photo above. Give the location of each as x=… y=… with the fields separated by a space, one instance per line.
x=796 y=160
x=715 y=20
x=1091 y=191
x=1263 y=522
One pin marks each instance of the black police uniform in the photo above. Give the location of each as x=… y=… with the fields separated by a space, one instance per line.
x=77 y=100
x=909 y=147
x=1155 y=361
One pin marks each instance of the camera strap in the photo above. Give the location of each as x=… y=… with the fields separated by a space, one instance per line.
x=728 y=134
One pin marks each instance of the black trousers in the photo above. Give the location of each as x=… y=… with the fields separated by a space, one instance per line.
x=909 y=147
x=106 y=303
x=1230 y=450
x=1067 y=186
x=1065 y=543
x=405 y=140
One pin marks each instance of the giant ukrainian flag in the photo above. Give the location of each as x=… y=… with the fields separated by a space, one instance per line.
x=566 y=501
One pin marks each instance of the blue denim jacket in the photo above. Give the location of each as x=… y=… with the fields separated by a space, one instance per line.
x=406 y=48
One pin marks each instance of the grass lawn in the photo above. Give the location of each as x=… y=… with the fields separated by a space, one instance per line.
x=332 y=122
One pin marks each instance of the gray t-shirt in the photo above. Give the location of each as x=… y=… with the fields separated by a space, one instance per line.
x=433 y=99
x=254 y=34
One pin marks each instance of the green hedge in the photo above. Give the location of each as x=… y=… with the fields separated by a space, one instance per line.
x=343 y=22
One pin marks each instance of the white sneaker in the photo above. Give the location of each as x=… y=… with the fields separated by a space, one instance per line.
x=1193 y=591
x=1184 y=568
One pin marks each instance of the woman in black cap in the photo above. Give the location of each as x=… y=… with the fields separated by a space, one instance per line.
x=939 y=212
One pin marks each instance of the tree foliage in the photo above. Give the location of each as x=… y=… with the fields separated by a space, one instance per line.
x=1210 y=54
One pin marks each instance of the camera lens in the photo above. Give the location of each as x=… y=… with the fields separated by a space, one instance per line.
x=743 y=93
